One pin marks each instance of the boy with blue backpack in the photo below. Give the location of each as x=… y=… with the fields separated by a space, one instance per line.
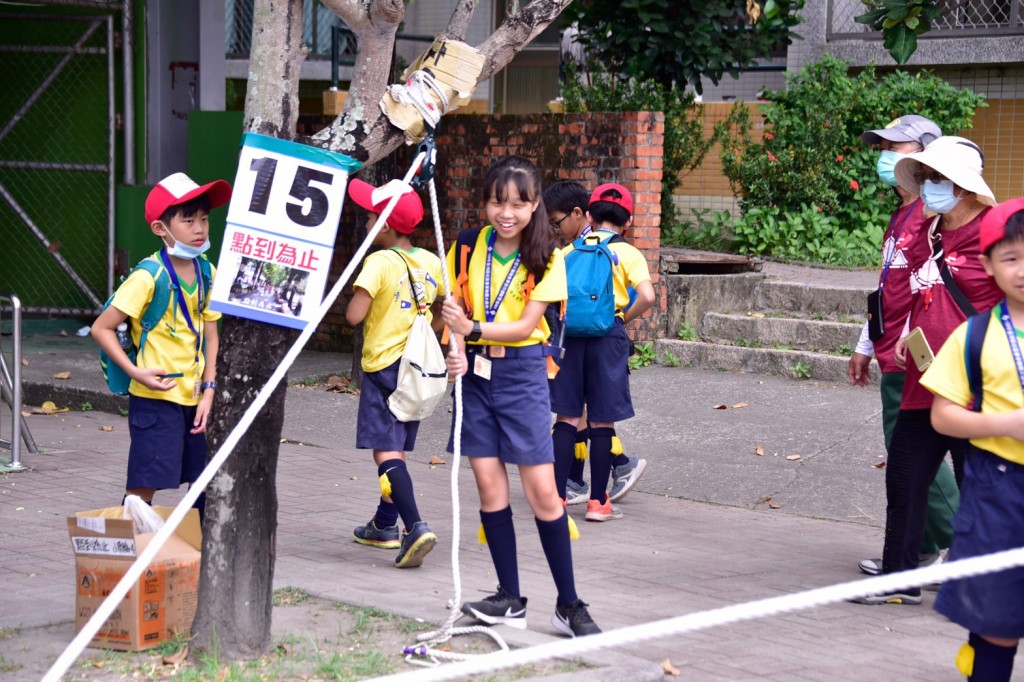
x=566 y=204
x=171 y=362
x=979 y=396
x=600 y=269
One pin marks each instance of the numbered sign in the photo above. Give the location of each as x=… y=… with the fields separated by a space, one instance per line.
x=283 y=218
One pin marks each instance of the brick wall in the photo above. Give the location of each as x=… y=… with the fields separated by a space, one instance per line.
x=589 y=148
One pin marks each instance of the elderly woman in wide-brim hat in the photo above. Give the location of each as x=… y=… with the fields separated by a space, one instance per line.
x=947 y=286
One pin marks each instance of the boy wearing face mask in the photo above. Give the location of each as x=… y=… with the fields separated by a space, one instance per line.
x=173 y=382
x=905 y=246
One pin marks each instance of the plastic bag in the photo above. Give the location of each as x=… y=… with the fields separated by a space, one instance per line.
x=142 y=515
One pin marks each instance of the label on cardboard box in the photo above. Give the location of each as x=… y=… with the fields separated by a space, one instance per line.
x=106 y=546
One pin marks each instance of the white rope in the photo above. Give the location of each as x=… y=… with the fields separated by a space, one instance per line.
x=416 y=93
x=563 y=648
x=424 y=654
x=131 y=576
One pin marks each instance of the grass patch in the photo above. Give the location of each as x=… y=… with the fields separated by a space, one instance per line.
x=288 y=596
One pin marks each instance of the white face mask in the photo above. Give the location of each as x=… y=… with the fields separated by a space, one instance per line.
x=187 y=251
x=939 y=196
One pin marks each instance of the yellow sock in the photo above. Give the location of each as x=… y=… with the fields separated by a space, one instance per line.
x=385 y=485
x=965 y=660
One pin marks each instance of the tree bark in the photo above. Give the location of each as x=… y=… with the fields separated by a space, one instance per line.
x=239 y=533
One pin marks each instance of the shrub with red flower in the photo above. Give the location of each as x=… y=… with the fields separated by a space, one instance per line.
x=854 y=185
x=839 y=159
x=772 y=157
x=769 y=136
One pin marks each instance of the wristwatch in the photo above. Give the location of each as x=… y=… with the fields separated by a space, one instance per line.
x=476 y=333
x=208 y=384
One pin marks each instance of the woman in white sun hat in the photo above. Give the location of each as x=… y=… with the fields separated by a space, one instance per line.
x=947 y=287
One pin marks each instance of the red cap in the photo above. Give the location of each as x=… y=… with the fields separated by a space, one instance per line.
x=407 y=213
x=625 y=201
x=180 y=188
x=993 y=225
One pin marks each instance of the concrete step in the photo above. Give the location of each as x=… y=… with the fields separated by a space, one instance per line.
x=771 y=361
x=805 y=298
x=759 y=330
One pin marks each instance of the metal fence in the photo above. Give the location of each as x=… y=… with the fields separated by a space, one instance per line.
x=958 y=18
x=317 y=23
x=56 y=160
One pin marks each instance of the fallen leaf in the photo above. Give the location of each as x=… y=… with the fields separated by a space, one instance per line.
x=340 y=384
x=759 y=451
x=792 y=458
x=26 y=414
x=879 y=465
x=771 y=505
x=63 y=333
x=24 y=361
x=436 y=460
x=178 y=658
x=720 y=407
x=668 y=668
x=61 y=375
x=739 y=405
x=757 y=315
x=108 y=429
x=49 y=407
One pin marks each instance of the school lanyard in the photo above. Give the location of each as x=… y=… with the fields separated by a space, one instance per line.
x=895 y=241
x=491 y=308
x=1011 y=336
x=181 y=296
x=585 y=231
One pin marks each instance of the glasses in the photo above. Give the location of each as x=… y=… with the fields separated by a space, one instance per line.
x=556 y=224
x=931 y=176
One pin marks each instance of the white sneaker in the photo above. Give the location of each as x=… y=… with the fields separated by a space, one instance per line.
x=626 y=476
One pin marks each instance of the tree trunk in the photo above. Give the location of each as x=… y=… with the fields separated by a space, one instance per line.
x=239 y=534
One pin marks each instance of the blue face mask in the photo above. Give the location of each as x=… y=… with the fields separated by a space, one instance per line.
x=886 y=166
x=187 y=251
x=938 y=196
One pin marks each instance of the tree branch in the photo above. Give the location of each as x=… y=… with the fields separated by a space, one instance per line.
x=461 y=17
x=362 y=131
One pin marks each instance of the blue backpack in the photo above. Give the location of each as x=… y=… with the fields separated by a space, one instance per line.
x=590 y=308
x=117 y=379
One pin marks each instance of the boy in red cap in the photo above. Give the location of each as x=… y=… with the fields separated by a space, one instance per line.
x=595 y=370
x=978 y=396
x=174 y=381
x=394 y=285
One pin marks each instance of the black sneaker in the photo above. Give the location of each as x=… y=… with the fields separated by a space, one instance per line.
x=416 y=544
x=500 y=607
x=370 y=534
x=574 y=620
x=911 y=597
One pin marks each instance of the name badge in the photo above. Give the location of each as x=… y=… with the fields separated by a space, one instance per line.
x=482 y=367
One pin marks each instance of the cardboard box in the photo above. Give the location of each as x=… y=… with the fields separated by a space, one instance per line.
x=164 y=599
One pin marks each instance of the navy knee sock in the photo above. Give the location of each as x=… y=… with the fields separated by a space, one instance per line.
x=501 y=541
x=600 y=462
x=554 y=538
x=401 y=490
x=200 y=505
x=387 y=514
x=576 y=468
x=992 y=663
x=563 y=438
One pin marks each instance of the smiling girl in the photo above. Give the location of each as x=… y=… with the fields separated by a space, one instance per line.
x=510 y=271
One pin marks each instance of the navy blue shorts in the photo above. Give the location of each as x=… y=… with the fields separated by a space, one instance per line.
x=163 y=454
x=376 y=427
x=507 y=416
x=990 y=519
x=595 y=373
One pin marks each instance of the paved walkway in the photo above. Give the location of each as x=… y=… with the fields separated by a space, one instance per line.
x=696 y=535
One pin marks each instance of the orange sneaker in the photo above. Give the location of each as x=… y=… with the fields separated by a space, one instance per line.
x=602 y=512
